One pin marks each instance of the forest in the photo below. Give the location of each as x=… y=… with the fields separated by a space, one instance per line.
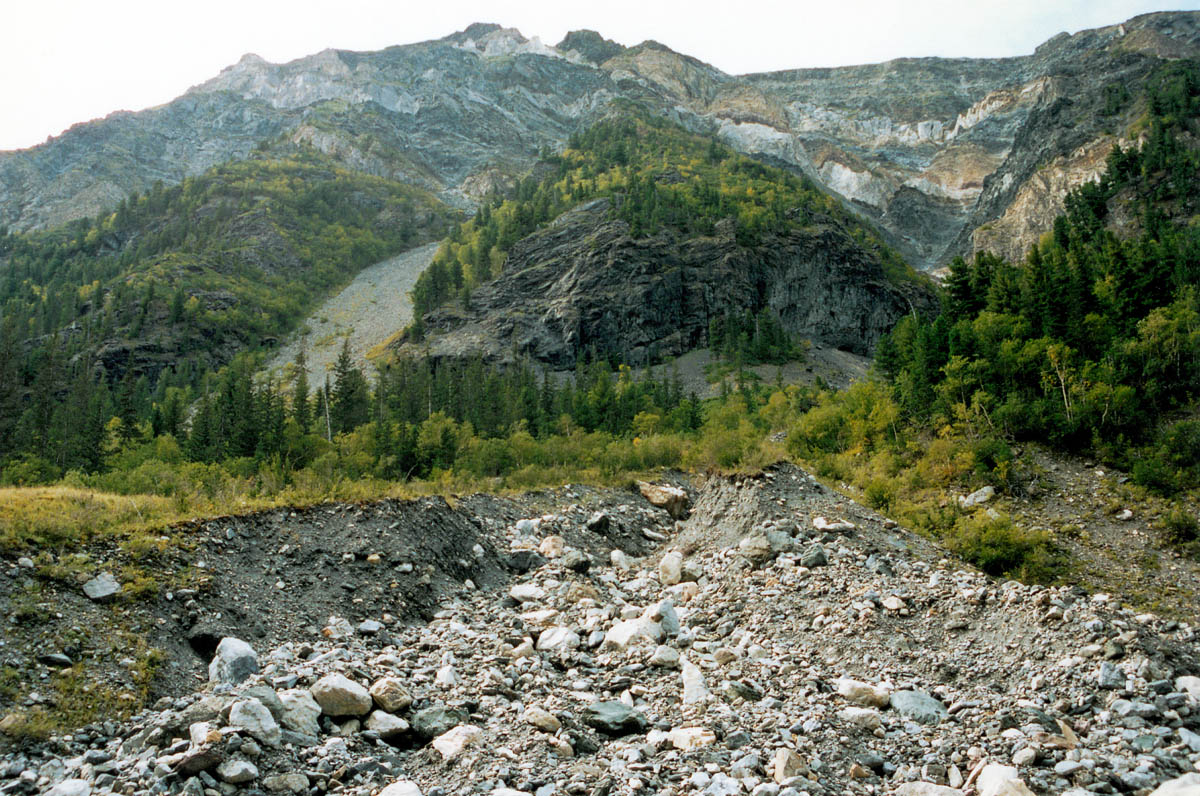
x=1090 y=345
x=659 y=177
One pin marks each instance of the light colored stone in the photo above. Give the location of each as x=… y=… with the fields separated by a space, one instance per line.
x=558 y=639
x=787 y=764
x=253 y=717
x=663 y=612
x=338 y=695
x=527 y=593
x=863 y=718
x=632 y=631
x=71 y=787
x=1187 y=785
x=102 y=588
x=832 y=526
x=620 y=560
x=977 y=498
x=665 y=657
x=665 y=496
x=864 y=694
x=925 y=789
x=403 y=787
x=390 y=694
x=552 y=546
x=388 y=725
x=893 y=603
x=687 y=738
x=451 y=744
x=670 y=568
x=300 y=711
x=997 y=779
x=694 y=690
x=237 y=772
x=541 y=718
x=233 y=662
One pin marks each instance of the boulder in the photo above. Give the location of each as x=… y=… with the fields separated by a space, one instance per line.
x=664 y=496
x=614 y=718
x=253 y=717
x=300 y=711
x=102 y=588
x=918 y=706
x=338 y=695
x=390 y=694
x=437 y=720
x=233 y=663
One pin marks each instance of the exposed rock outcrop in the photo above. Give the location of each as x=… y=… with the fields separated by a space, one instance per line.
x=585 y=284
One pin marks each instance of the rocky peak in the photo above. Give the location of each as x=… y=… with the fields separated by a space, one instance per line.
x=590 y=46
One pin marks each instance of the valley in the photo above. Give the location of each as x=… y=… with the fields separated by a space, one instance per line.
x=478 y=416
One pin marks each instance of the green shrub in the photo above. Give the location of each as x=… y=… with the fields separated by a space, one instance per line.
x=1000 y=548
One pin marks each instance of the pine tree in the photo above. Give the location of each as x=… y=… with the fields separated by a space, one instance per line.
x=350 y=402
x=300 y=404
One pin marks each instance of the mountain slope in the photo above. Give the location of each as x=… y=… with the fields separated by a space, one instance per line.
x=930 y=149
x=644 y=236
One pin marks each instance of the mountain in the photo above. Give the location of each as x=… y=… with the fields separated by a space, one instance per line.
x=945 y=155
x=641 y=241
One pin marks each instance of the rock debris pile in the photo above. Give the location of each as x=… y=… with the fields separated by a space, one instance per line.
x=811 y=648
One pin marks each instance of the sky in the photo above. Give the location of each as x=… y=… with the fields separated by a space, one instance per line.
x=68 y=61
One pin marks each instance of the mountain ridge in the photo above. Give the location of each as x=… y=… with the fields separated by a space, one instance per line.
x=889 y=138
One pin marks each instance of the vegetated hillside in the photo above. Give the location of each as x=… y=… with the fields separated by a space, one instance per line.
x=931 y=149
x=638 y=240
x=1093 y=339
x=180 y=279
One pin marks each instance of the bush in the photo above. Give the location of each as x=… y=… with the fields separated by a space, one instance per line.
x=1180 y=526
x=1000 y=548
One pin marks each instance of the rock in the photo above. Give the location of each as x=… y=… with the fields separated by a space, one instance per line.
x=253 y=717
x=25 y=562
x=541 y=718
x=388 y=725
x=552 y=546
x=1000 y=780
x=925 y=789
x=686 y=739
x=437 y=720
x=266 y=695
x=577 y=561
x=237 y=772
x=293 y=782
x=527 y=592
x=1110 y=676
x=670 y=568
x=447 y=677
x=814 y=557
x=55 y=659
x=694 y=690
x=665 y=657
x=523 y=561
x=337 y=627
x=598 y=522
x=454 y=742
x=663 y=614
x=403 y=787
x=832 y=526
x=787 y=764
x=756 y=549
x=369 y=627
x=101 y=588
x=199 y=759
x=620 y=561
x=893 y=603
x=71 y=787
x=614 y=718
x=234 y=661
x=977 y=498
x=723 y=785
x=390 y=694
x=632 y=631
x=863 y=718
x=864 y=694
x=664 y=496
x=557 y=639
x=300 y=711
x=338 y=695
x=1026 y=756
x=1187 y=785
x=918 y=706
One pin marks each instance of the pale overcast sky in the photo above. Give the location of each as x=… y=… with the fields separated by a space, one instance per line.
x=66 y=61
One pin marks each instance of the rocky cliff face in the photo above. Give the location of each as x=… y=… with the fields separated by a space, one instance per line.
x=585 y=284
x=931 y=149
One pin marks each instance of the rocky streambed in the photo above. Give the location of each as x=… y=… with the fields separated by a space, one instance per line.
x=780 y=640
